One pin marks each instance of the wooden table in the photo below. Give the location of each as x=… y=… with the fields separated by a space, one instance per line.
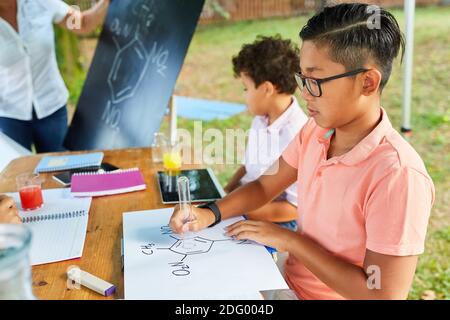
x=101 y=255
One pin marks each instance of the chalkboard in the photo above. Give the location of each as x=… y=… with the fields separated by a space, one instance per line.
x=132 y=76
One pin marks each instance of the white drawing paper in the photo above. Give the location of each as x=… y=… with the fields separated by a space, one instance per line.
x=159 y=264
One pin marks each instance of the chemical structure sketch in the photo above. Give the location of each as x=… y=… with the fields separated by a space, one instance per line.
x=185 y=247
x=124 y=86
x=123 y=83
x=132 y=59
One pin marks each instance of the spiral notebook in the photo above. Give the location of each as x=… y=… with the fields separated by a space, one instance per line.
x=106 y=183
x=58 y=229
x=67 y=162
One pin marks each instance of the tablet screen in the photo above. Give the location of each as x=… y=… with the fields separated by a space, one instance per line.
x=202 y=184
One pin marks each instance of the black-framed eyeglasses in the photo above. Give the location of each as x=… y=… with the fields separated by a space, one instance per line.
x=313 y=85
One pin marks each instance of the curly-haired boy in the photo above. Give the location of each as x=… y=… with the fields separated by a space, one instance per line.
x=266 y=68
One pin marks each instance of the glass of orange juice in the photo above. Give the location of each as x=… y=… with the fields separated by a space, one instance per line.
x=172 y=163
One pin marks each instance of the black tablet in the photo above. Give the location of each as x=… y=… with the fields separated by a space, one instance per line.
x=203 y=185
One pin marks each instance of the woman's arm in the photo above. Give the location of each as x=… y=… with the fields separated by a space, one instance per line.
x=84 y=22
x=381 y=277
x=234 y=182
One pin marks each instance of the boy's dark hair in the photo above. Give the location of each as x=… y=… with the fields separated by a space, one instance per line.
x=269 y=59
x=352 y=37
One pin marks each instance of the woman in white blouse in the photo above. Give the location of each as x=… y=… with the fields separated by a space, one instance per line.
x=33 y=95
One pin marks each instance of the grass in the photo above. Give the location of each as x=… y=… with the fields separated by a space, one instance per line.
x=207 y=73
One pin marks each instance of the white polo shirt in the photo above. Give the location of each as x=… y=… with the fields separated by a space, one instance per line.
x=267 y=142
x=29 y=73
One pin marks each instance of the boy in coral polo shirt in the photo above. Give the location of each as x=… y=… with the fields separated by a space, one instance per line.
x=364 y=195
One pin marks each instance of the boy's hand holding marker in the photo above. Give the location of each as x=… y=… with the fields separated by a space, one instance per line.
x=187 y=217
x=201 y=219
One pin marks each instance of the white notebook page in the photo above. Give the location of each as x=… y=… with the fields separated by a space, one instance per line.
x=58 y=228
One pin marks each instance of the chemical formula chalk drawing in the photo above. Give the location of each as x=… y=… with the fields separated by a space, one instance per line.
x=124 y=80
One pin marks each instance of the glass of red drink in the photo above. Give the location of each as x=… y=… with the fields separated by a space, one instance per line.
x=30 y=191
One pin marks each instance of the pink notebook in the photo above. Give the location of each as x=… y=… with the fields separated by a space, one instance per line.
x=106 y=183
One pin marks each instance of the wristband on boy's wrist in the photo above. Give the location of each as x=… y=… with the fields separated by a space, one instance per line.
x=215 y=209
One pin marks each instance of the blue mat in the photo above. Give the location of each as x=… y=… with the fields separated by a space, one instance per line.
x=201 y=109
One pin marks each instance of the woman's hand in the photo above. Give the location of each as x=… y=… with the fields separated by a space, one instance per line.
x=84 y=22
x=201 y=219
x=265 y=233
x=8 y=210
